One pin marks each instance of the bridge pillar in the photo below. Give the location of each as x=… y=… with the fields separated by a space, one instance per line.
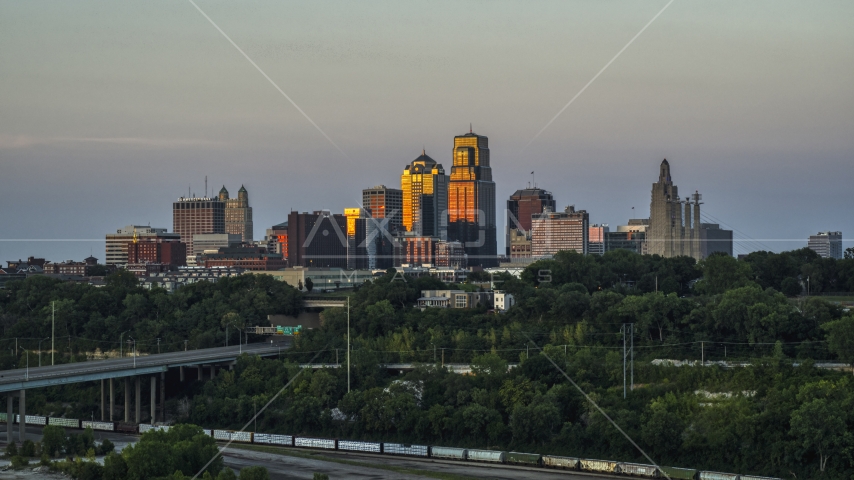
x=103 y=402
x=112 y=401
x=163 y=397
x=127 y=399
x=138 y=403
x=200 y=372
x=10 y=418
x=153 y=398
x=181 y=369
x=22 y=407
x=213 y=371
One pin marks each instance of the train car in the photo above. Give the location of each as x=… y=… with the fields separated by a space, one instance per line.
x=406 y=449
x=449 y=453
x=489 y=456
x=754 y=477
x=273 y=439
x=601 y=466
x=354 y=446
x=530 y=459
x=717 y=476
x=232 y=436
x=639 y=470
x=680 y=473
x=64 y=422
x=566 y=463
x=323 y=443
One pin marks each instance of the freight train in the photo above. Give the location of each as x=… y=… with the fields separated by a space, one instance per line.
x=628 y=469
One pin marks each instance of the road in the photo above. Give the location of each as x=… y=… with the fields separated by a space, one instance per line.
x=34 y=377
x=292 y=467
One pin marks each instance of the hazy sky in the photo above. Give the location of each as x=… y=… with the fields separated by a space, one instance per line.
x=109 y=110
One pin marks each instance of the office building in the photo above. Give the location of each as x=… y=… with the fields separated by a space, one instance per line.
x=425 y=197
x=238 y=214
x=454 y=299
x=317 y=239
x=117 y=243
x=471 y=200
x=361 y=238
x=521 y=207
x=597 y=239
x=520 y=247
x=383 y=202
x=197 y=216
x=713 y=239
x=451 y=255
x=624 y=240
x=246 y=258
x=211 y=243
x=277 y=239
x=157 y=250
x=415 y=250
x=827 y=244
x=552 y=232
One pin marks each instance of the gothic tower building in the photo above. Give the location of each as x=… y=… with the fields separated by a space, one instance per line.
x=672 y=231
x=238 y=214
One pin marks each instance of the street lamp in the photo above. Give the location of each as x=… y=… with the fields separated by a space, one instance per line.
x=40 y=349
x=134 y=350
x=27 y=352
x=121 y=352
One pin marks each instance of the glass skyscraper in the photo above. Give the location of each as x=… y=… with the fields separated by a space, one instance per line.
x=425 y=197
x=471 y=200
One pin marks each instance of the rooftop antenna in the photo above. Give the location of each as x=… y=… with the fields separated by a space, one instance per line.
x=470 y=128
x=206 y=185
x=533 y=179
x=188 y=190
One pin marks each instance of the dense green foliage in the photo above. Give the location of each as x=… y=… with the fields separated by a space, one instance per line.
x=765 y=418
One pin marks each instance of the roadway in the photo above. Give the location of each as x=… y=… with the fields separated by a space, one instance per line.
x=35 y=377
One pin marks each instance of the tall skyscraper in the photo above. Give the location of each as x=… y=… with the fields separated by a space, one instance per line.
x=552 y=232
x=471 y=200
x=195 y=216
x=425 y=197
x=667 y=234
x=827 y=244
x=383 y=202
x=238 y=214
x=521 y=206
x=117 y=243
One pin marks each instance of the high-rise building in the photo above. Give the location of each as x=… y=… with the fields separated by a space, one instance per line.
x=317 y=239
x=552 y=232
x=117 y=243
x=383 y=202
x=238 y=214
x=597 y=239
x=521 y=206
x=197 y=215
x=361 y=239
x=277 y=239
x=451 y=254
x=425 y=197
x=471 y=200
x=211 y=243
x=827 y=244
x=415 y=249
x=672 y=234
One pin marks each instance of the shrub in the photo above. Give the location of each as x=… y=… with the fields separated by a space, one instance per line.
x=11 y=449
x=28 y=448
x=254 y=473
x=19 y=462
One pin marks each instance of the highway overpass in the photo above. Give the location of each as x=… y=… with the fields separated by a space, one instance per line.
x=16 y=382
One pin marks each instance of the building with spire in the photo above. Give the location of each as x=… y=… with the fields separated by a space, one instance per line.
x=675 y=227
x=471 y=200
x=425 y=197
x=238 y=214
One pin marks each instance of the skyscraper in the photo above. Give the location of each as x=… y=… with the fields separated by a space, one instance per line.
x=425 y=197
x=383 y=202
x=827 y=244
x=197 y=215
x=521 y=206
x=667 y=235
x=238 y=214
x=471 y=200
x=317 y=239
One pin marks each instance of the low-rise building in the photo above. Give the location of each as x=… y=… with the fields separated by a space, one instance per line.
x=502 y=301
x=70 y=267
x=456 y=299
x=322 y=279
x=246 y=258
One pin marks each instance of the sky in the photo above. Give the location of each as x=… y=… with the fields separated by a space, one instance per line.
x=110 y=111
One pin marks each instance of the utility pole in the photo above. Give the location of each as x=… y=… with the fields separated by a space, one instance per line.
x=703 y=353
x=52 y=330
x=158 y=345
x=624 y=359
x=443 y=358
x=632 y=336
x=348 y=344
x=185 y=345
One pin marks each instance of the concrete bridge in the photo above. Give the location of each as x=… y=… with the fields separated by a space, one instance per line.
x=321 y=301
x=134 y=370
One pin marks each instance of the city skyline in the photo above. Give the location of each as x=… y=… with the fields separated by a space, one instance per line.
x=750 y=100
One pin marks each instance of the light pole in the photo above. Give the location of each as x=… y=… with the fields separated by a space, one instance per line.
x=121 y=352
x=27 y=352
x=52 y=330
x=348 y=344
x=134 y=351
x=40 y=349
x=158 y=345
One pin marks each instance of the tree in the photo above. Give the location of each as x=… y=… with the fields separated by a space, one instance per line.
x=53 y=439
x=840 y=338
x=820 y=425
x=115 y=467
x=721 y=273
x=226 y=474
x=254 y=473
x=790 y=287
x=849 y=253
x=309 y=285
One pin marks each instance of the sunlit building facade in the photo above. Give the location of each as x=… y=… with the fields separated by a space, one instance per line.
x=383 y=202
x=521 y=207
x=471 y=200
x=425 y=197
